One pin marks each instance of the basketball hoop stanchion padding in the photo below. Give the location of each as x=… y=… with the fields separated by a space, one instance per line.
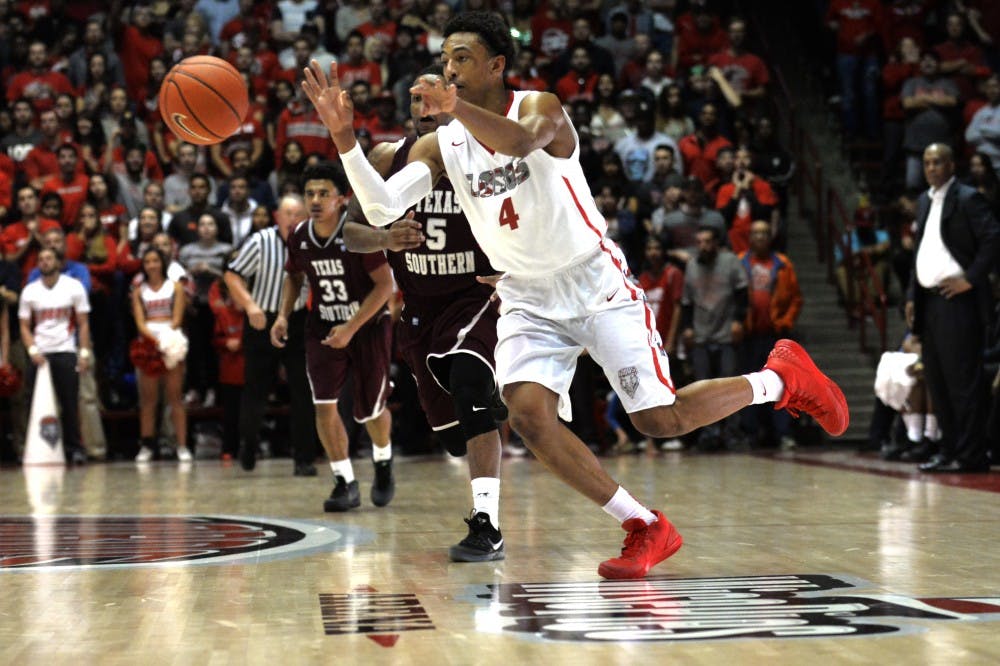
x=43 y=441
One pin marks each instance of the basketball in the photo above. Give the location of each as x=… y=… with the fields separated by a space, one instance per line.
x=203 y=100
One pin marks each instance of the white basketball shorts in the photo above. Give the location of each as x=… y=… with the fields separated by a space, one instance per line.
x=545 y=323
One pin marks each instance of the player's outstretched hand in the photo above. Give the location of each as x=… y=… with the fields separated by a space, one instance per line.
x=405 y=234
x=333 y=105
x=434 y=94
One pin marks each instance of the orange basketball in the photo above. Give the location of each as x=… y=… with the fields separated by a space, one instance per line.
x=203 y=100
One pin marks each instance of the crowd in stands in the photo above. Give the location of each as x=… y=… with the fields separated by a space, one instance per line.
x=912 y=73
x=673 y=110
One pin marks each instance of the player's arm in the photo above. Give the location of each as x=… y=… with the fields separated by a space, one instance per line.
x=290 y=291
x=541 y=123
x=29 y=341
x=85 y=354
x=372 y=304
x=359 y=236
x=383 y=202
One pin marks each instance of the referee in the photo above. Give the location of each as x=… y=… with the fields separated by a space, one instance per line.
x=261 y=259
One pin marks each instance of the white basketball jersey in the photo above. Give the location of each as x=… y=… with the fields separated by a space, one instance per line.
x=531 y=216
x=159 y=303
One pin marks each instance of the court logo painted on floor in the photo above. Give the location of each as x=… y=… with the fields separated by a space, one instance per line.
x=31 y=543
x=692 y=609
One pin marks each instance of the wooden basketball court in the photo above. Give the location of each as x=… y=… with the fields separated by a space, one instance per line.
x=812 y=557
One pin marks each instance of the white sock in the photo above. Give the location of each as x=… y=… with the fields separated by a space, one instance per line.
x=931 y=428
x=486 y=498
x=623 y=507
x=343 y=468
x=767 y=386
x=914 y=426
x=380 y=453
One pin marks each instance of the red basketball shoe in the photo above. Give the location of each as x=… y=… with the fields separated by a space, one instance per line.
x=807 y=389
x=645 y=546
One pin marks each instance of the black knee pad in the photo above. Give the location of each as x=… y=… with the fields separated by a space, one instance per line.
x=453 y=440
x=472 y=390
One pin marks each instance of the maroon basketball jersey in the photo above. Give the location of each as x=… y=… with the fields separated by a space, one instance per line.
x=450 y=259
x=338 y=280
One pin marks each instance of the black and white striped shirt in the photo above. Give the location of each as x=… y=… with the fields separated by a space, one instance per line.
x=262 y=259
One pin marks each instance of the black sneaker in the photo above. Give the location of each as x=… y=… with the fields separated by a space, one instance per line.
x=305 y=469
x=345 y=496
x=484 y=542
x=384 y=486
x=248 y=456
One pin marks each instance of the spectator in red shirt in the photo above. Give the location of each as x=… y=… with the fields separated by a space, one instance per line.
x=580 y=81
x=23 y=136
x=747 y=197
x=962 y=60
x=355 y=67
x=699 y=149
x=551 y=31
x=301 y=122
x=380 y=24
x=139 y=45
x=775 y=302
x=364 y=111
x=902 y=19
x=42 y=161
x=858 y=25
x=101 y=192
x=235 y=32
x=903 y=64
x=634 y=68
x=745 y=72
x=70 y=183
x=38 y=84
x=663 y=283
x=698 y=38
x=21 y=240
x=523 y=75
x=385 y=127
x=228 y=342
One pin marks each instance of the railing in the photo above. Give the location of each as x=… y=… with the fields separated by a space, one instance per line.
x=831 y=221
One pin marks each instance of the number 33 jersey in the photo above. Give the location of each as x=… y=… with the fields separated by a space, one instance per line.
x=532 y=215
x=338 y=280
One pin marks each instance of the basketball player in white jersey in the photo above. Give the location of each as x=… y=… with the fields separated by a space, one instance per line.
x=514 y=160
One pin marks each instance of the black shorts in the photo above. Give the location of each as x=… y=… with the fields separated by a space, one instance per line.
x=428 y=336
x=368 y=354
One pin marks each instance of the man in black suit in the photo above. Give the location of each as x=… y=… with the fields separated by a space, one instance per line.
x=949 y=305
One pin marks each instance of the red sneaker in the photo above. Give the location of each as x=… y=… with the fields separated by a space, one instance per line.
x=807 y=389
x=645 y=546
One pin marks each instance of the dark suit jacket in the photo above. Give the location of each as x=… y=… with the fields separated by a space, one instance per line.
x=972 y=234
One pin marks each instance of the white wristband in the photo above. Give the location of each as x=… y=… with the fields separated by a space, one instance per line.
x=84 y=353
x=383 y=201
x=33 y=350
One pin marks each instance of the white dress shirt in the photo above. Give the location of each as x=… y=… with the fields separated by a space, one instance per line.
x=934 y=262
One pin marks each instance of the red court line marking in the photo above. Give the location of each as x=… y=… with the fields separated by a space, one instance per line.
x=869 y=465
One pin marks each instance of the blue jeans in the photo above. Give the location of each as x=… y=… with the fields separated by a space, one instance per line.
x=849 y=67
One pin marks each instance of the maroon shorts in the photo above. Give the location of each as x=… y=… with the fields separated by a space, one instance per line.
x=368 y=354
x=428 y=337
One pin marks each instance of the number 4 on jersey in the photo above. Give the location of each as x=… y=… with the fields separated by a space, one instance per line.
x=507 y=215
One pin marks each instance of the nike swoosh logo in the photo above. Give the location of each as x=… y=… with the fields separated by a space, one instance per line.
x=496 y=546
x=180 y=120
x=460 y=143
x=479 y=409
x=765 y=391
x=612 y=295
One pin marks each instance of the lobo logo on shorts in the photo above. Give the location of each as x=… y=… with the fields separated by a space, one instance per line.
x=48 y=428
x=629 y=380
